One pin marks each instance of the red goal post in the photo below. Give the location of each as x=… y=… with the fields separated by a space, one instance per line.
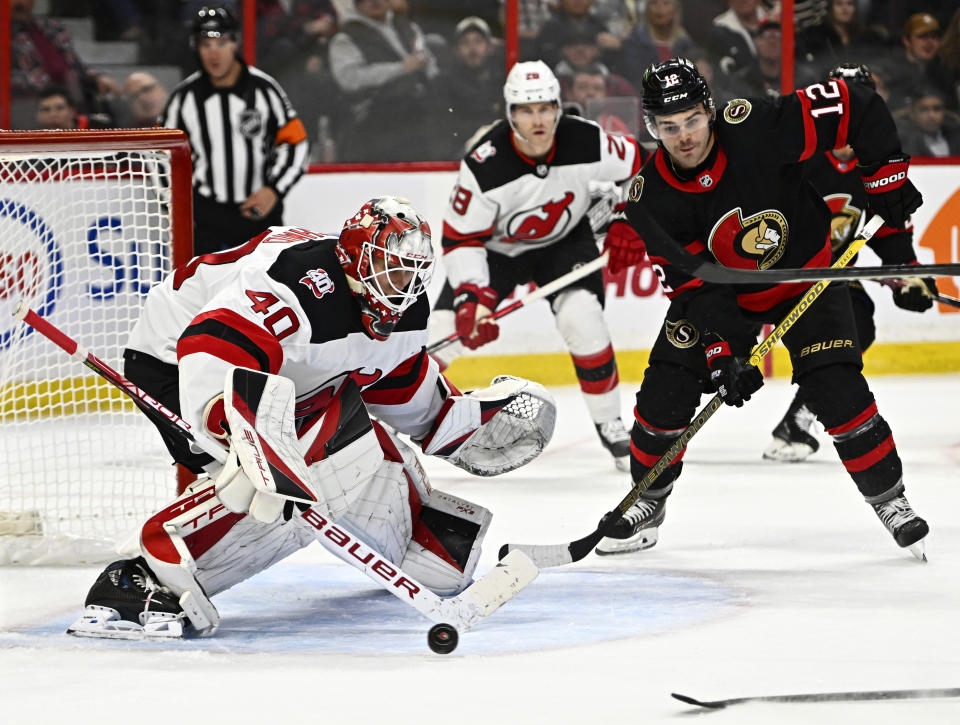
x=89 y=221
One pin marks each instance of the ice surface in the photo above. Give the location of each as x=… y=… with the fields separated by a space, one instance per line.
x=768 y=579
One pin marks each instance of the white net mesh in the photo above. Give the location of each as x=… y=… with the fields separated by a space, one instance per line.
x=83 y=236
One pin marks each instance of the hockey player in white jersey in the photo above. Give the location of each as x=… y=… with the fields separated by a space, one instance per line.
x=517 y=214
x=323 y=334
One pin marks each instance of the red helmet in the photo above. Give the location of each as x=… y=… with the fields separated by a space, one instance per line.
x=386 y=252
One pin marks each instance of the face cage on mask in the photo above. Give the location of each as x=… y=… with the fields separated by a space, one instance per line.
x=393 y=301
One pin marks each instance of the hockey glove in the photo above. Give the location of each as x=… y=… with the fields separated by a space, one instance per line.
x=889 y=192
x=915 y=294
x=624 y=246
x=733 y=380
x=471 y=304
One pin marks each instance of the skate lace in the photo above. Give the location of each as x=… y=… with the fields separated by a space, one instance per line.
x=613 y=431
x=643 y=509
x=895 y=512
x=805 y=419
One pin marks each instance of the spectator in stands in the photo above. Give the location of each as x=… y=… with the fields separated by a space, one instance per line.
x=730 y=41
x=531 y=15
x=659 y=36
x=381 y=63
x=439 y=18
x=929 y=129
x=944 y=69
x=575 y=16
x=761 y=75
x=291 y=33
x=55 y=109
x=42 y=54
x=587 y=96
x=145 y=97
x=618 y=16
x=471 y=88
x=841 y=37
x=579 y=50
x=907 y=69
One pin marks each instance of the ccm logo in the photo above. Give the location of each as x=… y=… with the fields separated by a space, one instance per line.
x=360 y=552
x=675 y=97
x=886 y=181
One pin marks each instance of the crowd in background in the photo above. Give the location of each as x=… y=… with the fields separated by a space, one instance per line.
x=411 y=80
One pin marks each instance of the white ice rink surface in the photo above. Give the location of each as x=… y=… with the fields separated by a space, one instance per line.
x=768 y=579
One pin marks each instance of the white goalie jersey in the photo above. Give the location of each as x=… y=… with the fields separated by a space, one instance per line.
x=510 y=204
x=280 y=304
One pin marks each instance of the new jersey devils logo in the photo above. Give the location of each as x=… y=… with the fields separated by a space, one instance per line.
x=844 y=221
x=759 y=240
x=540 y=222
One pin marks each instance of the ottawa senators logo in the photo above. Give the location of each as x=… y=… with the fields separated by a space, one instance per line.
x=541 y=222
x=845 y=219
x=737 y=110
x=759 y=240
x=681 y=334
x=636 y=188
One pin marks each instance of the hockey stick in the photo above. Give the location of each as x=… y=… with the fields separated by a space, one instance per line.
x=709 y=272
x=547 y=555
x=538 y=294
x=896 y=284
x=463 y=611
x=860 y=696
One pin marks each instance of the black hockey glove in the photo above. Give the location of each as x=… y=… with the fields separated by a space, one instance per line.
x=915 y=294
x=889 y=192
x=732 y=379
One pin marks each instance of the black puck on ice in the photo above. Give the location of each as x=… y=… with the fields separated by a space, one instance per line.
x=442 y=639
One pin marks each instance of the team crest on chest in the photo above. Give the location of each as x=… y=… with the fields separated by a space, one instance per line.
x=540 y=222
x=318 y=282
x=760 y=239
x=681 y=334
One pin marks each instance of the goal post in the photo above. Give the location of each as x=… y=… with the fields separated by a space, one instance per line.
x=89 y=222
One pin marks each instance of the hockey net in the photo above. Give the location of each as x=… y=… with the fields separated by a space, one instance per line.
x=89 y=221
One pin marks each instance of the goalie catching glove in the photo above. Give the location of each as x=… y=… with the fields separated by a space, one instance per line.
x=493 y=430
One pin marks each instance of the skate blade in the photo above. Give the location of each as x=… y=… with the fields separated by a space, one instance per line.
x=622 y=463
x=640 y=541
x=919 y=550
x=105 y=623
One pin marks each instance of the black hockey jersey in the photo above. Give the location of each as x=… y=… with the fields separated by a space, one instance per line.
x=748 y=205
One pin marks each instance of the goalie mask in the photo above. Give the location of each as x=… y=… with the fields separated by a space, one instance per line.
x=387 y=255
x=531 y=82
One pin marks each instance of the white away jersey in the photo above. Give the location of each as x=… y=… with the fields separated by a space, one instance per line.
x=510 y=204
x=280 y=304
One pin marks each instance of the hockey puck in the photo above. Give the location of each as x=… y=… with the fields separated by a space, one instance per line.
x=442 y=639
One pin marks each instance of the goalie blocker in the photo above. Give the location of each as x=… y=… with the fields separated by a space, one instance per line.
x=343 y=467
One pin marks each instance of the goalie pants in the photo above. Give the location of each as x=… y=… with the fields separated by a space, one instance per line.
x=827 y=364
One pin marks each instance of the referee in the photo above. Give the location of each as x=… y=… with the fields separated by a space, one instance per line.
x=248 y=145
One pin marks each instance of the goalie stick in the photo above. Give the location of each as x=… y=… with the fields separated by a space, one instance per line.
x=481 y=599
x=858 y=696
x=717 y=274
x=547 y=555
x=538 y=294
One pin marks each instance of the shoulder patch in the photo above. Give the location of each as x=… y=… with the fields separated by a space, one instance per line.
x=737 y=110
x=636 y=188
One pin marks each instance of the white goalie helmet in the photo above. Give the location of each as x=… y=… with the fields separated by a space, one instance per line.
x=531 y=82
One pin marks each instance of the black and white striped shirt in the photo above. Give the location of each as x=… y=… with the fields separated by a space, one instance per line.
x=242 y=138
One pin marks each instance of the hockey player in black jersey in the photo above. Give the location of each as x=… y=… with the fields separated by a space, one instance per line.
x=519 y=213
x=728 y=186
x=836 y=175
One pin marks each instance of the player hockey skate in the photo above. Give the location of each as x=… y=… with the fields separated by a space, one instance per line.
x=907 y=529
x=616 y=439
x=637 y=529
x=125 y=602
x=793 y=437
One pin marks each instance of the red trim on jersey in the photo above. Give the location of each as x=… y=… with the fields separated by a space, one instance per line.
x=695 y=186
x=762 y=301
x=809 y=127
x=695 y=247
x=638 y=159
x=859 y=420
x=450 y=233
x=553 y=151
x=182 y=274
x=227 y=351
x=839 y=165
x=595 y=360
x=397 y=396
x=862 y=463
x=200 y=542
x=645 y=424
x=844 y=114
x=648 y=459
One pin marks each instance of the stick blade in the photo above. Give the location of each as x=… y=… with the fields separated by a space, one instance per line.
x=716 y=705
x=502 y=583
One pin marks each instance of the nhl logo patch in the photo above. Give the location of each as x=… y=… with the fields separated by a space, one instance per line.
x=706 y=181
x=318 y=282
x=542 y=170
x=251 y=123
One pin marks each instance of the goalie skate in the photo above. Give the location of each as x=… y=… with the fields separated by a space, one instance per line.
x=793 y=439
x=126 y=603
x=637 y=529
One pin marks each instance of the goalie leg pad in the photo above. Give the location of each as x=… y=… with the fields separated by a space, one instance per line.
x=494 y=430
x=446 y=543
